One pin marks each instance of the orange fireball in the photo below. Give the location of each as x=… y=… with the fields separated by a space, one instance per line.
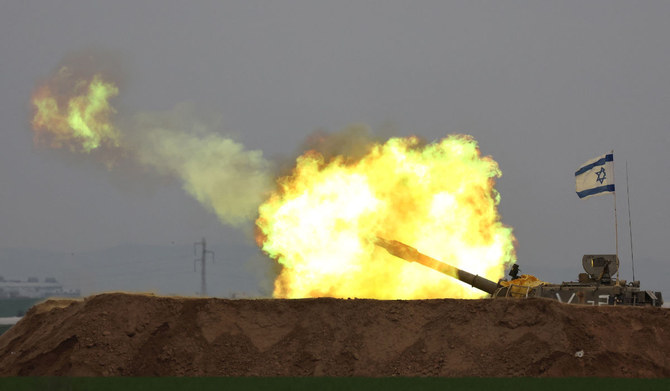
x=321 y=222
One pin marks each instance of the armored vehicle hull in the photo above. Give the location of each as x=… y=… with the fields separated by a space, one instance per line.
x=595 y=287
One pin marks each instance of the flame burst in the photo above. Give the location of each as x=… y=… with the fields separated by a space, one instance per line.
x=75 y=113
x=321 y=223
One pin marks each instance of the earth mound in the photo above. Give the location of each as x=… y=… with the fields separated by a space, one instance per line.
x=118 y=334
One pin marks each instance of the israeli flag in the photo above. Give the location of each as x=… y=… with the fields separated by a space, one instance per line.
x=595 y=176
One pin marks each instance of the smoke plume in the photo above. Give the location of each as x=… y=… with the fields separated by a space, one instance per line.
x=73 y=110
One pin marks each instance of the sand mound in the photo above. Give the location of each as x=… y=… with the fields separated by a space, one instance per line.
x=120 y=334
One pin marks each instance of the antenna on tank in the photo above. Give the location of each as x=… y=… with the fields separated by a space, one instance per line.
x=203 y=260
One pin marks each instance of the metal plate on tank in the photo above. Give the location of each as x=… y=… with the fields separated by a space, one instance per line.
x=595 y=264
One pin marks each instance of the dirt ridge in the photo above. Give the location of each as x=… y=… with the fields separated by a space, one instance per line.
x=121 y=334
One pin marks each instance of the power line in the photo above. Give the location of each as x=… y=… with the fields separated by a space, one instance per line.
x=203 y=260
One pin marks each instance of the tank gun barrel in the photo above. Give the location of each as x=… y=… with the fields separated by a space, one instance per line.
x=410 y=254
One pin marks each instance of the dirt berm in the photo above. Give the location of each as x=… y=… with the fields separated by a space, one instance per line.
x=119 y=334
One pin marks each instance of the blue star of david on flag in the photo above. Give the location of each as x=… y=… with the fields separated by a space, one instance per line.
x=602 y=175
x=595 y=177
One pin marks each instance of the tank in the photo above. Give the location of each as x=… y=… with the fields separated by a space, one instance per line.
x=594 y=287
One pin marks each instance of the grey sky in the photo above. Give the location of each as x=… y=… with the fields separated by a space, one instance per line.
x=543 y=86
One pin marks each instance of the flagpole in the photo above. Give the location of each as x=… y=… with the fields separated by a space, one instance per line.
x=630 y=227
x=616 y=223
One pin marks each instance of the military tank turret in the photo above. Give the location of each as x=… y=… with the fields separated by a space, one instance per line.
x=595 y=287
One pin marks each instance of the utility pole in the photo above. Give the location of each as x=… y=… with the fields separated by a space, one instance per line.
x=203 y=259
